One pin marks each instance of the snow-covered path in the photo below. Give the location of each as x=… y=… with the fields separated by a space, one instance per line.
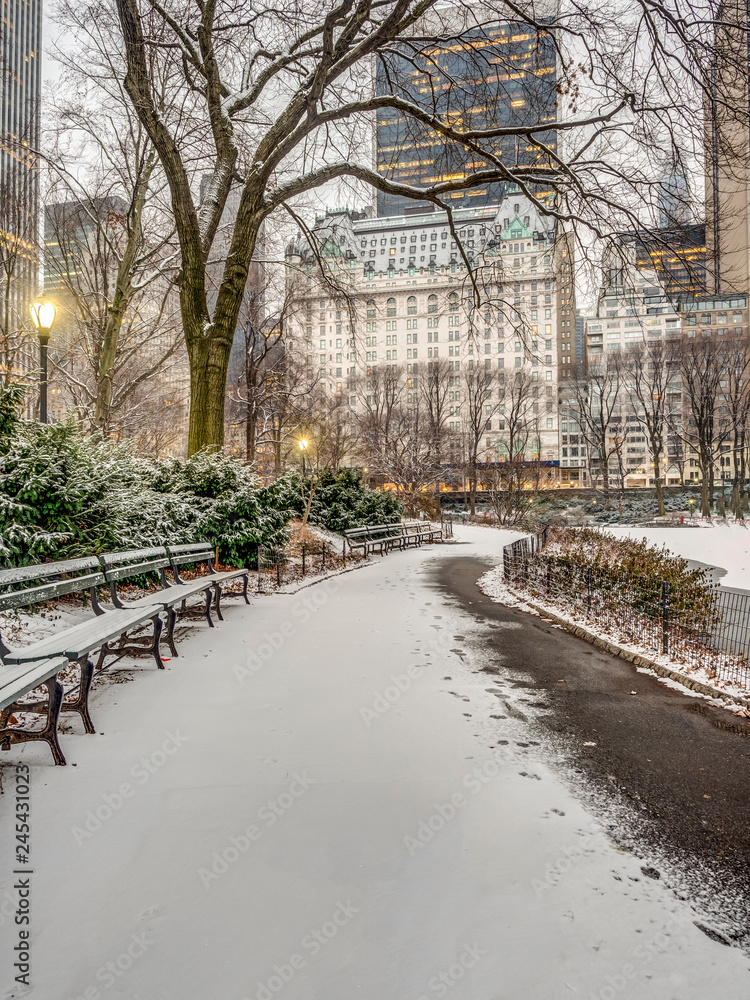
x=311 y=803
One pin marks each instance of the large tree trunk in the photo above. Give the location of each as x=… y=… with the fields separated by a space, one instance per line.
x=209 y=363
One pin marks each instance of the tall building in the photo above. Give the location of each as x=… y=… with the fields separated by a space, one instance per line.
x=633 y=311
x=727 y=159
x=476 y=78
x=412 y=306
x=20 y=77
x=679 y=256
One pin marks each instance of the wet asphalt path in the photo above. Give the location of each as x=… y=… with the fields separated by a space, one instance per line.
x=680 y=767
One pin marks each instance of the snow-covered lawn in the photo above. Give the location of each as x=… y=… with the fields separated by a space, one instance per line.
x=724 y=545
x=311 y=802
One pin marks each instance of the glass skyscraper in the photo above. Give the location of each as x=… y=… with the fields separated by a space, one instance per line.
x=494 y=76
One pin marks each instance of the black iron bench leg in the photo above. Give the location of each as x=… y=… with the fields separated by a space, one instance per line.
x=49 y=733
x=171 y=620
x=207 y=611
x=102 y=654
x=245 y=580
x=157 y=636
x=81 y=704
x=217 y=601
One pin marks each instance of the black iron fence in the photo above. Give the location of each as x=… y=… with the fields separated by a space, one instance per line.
x=277 y=566
x=696 y=622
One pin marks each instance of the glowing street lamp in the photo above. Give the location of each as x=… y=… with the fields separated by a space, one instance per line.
x=303 y=446
x=43 y=315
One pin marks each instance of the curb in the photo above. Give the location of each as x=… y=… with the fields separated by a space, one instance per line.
x=636 y=658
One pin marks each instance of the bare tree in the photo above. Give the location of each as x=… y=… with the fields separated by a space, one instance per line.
x=117 y=317
x=19 y=250
x=481 y=404
x=110 y=253
x=597 y=399
x=649 y=373
x=517 y=476
x=706 y=425
x=736 y=393
x=275 y=100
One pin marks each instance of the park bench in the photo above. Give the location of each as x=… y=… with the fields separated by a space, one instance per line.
x=385 y=537
x=24 y=669
x=27 y=667
x=430 y=532
x=376 y=537
x=202 y=552
x=119 y=566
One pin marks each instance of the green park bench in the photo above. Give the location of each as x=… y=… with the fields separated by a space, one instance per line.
x=23 y=669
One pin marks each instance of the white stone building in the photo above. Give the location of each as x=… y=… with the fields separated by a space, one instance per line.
x=397 y=291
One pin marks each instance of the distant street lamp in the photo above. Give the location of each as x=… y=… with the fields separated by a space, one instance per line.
x=303 y=446
x=43 y=314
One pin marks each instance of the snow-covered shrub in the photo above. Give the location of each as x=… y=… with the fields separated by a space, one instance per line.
x=632 y=571
x=340 y=501
x=63 y=495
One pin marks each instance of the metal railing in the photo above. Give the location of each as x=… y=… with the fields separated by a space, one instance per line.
x=695 y=621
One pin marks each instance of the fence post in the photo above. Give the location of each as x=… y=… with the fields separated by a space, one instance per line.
x=549 y=576
x=304 y=547
x=665 y=617
x=506 y=564
x=343 y=552
x=589 y=588
x=324 y=558
x=278 y=569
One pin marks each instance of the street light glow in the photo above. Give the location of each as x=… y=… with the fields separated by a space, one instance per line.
x=303 y=444
x=43 y=314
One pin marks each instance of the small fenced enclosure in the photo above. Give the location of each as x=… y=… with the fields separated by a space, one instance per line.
x=301 y=558
x=687 y=615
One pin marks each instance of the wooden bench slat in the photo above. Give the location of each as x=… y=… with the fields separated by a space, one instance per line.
x=108 y=559
x=80 y=639
x=135 y=569
x=18 y=679
x=174 y=594
x=42 y=571
x=45 y=592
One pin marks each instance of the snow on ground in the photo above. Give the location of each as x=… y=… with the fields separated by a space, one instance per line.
x=724 y=545
x=310 y=803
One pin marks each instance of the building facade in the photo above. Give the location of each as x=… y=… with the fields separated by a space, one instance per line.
x=20 y=61
x=478 y=78
x=417 y=297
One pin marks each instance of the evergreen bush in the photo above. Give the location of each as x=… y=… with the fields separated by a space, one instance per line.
x=340 y=500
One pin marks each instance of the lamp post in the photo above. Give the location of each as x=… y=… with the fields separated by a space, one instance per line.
x=43 y=315
x=303 y=445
